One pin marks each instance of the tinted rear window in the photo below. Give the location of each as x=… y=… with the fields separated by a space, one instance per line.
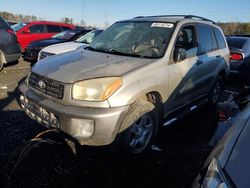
x=236 y=42
x=219 y=38
x=65 y=28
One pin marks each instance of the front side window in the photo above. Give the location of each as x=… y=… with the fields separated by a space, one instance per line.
x=142 y=39
x=205 y=39
x=36 y=29
x=187 y=40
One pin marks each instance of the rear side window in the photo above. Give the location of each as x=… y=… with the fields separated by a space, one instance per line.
x=36 y=29
x=53 y=29
x=219 y=38
x=65 y=28
x=205 y=38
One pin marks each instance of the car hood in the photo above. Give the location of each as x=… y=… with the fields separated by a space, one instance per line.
x=63 y=47
x=232 y=153
x=83 y=64
x=238 y=164
x=45 y=42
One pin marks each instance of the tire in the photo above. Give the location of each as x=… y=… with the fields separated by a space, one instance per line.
x=141 y=123
x=216 y=90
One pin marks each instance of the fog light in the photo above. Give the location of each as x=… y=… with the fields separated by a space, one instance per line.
x=82 y=128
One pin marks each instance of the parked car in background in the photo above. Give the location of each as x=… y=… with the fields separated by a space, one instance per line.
x=228 y=164
x=239 y=57
x=11 y=23
x=9 y=47
x=68 y=46
x=31 y=51
x=29 y=31
x=137 y=75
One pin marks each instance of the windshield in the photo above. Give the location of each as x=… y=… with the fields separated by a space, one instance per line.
x=142 y=39
x=65 y=34
x=89 y=37
x=18 y=26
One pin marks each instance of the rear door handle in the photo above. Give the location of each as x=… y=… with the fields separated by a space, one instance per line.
x=199 y=62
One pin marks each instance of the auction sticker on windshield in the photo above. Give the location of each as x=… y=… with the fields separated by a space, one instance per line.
x=159 y=24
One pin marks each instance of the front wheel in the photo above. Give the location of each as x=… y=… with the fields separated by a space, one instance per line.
x=142 y=122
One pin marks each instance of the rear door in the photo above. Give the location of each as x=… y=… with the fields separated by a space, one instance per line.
x=209 y=57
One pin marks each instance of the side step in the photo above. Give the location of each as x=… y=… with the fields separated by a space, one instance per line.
x=170 y=121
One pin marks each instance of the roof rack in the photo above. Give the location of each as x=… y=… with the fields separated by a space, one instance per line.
x=181 y=16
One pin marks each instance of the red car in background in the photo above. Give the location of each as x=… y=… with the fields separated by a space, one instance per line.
x=27 y=32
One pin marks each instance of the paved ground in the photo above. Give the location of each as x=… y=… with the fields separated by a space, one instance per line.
x=180 y=152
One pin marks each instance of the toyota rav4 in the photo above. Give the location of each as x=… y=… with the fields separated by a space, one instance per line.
x=138 y=75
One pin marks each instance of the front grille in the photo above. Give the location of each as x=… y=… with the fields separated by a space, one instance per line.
x=44 y=55
x=48 y=86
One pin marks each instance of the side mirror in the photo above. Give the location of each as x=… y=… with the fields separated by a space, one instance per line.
x=26 y=31
x=180 y=54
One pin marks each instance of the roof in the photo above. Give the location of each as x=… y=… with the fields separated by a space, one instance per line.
x=47 y=22
x=170 y=18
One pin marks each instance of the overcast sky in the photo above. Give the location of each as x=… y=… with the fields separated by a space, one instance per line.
x=96 y=12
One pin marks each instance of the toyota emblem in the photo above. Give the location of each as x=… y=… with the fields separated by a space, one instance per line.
x=41 y=84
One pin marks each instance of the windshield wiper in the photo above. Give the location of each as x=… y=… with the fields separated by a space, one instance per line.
x=115 y=52
x=112 y=51
x=91 y=48
x=121 y=53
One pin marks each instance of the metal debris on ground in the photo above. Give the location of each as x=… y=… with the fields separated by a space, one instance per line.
x=155 y=148
x=4 y=87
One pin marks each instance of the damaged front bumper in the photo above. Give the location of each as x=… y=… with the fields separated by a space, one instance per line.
x=90 y=126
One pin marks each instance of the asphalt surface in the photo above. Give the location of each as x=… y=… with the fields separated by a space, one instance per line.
x=174 y=160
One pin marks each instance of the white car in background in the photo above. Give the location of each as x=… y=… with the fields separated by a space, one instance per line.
x=68 y=46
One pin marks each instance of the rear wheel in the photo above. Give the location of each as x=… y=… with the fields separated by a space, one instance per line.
x=142 y=122
x=217 y=90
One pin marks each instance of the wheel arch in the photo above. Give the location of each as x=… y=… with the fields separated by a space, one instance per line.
x=153 y=97
x=2 y=57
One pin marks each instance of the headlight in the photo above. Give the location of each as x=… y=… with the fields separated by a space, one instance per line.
x=214 y=176
x=98 y=89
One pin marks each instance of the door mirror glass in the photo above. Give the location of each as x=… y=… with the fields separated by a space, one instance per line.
x=180 y=54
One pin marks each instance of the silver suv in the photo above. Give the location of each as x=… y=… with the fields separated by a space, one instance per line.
x=137 y=75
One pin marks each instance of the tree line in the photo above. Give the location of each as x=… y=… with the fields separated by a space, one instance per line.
x=229 y=28
x=27 y=18
x=235 y=28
